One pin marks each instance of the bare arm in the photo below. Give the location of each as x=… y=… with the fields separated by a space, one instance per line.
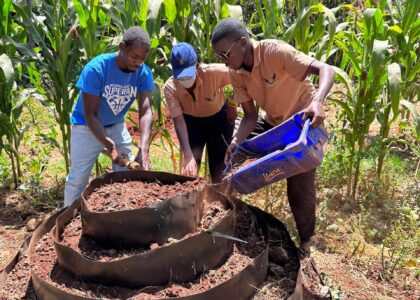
x=145 y=120
x=90 y=107
x=326 y=79
x=247 y=126
x=189 y=166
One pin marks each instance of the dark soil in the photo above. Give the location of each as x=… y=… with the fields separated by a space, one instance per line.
x=242 y=255
x=46 y=267
x=18 y=281
x=235 y=263
x=72 y=236
x=135 y=194
x=240 y=160
x=280 y=281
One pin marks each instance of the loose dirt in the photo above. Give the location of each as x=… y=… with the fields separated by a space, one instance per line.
x=135 y=194
x=17 y=285
x=46 y=267
x=247 y=230
x=72 y=236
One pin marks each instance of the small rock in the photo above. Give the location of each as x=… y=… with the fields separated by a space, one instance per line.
x=38 y=248
x=172 y=240
x=154 y=246
x=33 y=224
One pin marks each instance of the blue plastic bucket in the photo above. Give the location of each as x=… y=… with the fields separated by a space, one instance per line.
x=286 y=150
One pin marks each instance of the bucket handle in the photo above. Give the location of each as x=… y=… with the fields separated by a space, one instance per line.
x=302 y=138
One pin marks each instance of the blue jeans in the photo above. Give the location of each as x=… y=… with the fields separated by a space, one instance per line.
x=84 y=150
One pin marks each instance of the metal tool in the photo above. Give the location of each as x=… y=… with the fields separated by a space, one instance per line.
x=225 y=236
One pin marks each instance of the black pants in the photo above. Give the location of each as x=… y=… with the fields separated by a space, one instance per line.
x=301 y=193
x=216 y=133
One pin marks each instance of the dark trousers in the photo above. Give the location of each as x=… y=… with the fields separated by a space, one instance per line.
x=301 y=193
x=216 y=133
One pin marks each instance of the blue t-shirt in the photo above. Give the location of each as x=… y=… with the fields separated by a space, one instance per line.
x=117 y=89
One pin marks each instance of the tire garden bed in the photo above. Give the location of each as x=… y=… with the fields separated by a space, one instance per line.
x=238 y=273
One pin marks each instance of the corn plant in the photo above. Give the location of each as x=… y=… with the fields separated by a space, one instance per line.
x=208 y=14
x=367 y=59
x=55 y=60
x=389 y=102
x=11 y=104
x=405 y=34
x=93 y=28
x=312 y=37
x=269 y=18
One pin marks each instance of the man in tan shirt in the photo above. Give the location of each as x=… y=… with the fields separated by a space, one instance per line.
x=274 y=75
x=197 y=104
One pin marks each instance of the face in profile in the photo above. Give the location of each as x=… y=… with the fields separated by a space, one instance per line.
x=231 y=51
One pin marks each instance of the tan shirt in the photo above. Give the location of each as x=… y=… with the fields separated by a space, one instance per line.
x=276 y=81
x=209 y=97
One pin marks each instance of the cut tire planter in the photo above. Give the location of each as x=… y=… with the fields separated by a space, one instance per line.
x=178 y=262
x=140 y=227
x=241 y=286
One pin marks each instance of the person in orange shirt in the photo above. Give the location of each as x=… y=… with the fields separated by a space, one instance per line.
x=198 y=107
x=273 y=74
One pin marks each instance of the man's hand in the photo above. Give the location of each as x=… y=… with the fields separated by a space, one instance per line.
x=231 y=114
x=315 y=110
x=118 y=157
x=144 y=160
x=189 y=166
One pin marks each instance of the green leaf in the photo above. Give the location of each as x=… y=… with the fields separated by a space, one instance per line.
x=394 y=87
x=170 y=10
x=344 y=77
x=380 y=49
x=144 y=6
x=395 y=29
x=411 y=12
x=414 y=113
x=346 y=106
x=154 y=8
x=6 y=67
x=82 y=13
x=6 y=9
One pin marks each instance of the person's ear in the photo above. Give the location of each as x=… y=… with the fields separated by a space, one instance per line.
x=122 y=46
x=243 y=40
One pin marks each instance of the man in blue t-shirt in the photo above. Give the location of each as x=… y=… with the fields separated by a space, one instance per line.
x=108 y=85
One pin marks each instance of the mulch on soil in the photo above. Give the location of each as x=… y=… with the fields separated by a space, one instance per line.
x=135 y=194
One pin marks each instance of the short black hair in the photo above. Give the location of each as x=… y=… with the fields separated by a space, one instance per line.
x=134 y=35
x=229 y=27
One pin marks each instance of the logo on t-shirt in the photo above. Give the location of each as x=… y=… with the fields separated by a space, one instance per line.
x=118 y=96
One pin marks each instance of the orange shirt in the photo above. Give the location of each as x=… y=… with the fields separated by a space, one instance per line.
x=209 y=97
x=276 y=82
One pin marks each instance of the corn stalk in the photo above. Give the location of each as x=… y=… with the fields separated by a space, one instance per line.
x=55 y=60
x=367 y=65
x=11 y=104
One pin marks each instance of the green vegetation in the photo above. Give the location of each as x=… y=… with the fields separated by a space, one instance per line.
x=369 y=181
